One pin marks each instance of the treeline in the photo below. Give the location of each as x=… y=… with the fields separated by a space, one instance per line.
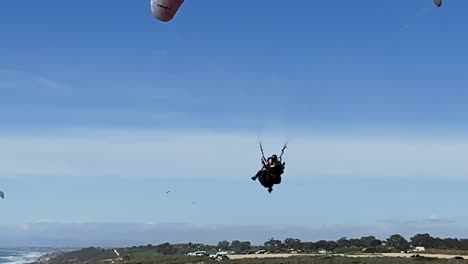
x=370 y=244
x=367 y=244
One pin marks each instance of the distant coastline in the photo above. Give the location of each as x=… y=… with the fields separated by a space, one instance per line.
x=396 y=246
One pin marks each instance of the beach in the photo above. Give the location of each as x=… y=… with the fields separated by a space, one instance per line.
x=19 y=256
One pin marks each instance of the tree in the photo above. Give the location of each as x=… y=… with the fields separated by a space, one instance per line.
x=245 y=245
x=355 y=242
x=464 y=244
x=423 y=240
x=376 y=243
x=322 y=244
x=451 y=243
x=273 y=245
x=235 y=246
x=438 y=243
x=397 y=241
x=309 y=246
x=293 y=243
x=344 y=242
x=165 y=249
x=331 y=245
x=367 y=241
x=223 y=245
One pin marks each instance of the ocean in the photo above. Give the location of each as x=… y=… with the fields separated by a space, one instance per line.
x=19 y=256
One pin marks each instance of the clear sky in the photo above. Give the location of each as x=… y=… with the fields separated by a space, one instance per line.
x=103 y=109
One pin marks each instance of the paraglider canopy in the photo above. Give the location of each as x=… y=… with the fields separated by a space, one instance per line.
x=165 y=10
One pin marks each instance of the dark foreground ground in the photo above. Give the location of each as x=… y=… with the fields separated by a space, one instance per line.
x=308 y=260
x=181 y=259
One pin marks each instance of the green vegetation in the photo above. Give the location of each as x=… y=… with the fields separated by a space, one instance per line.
x=342 y=260
x=172 y=259
x=180 y=259
x=176 y=253
x=447 y=252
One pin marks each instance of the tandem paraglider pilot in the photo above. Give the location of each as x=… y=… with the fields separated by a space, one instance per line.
x=271 y=171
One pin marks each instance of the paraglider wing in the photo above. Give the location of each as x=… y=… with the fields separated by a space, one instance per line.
x=2 y=195
x=165 y=10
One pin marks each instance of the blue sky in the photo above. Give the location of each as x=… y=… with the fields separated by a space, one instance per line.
x=103 y=109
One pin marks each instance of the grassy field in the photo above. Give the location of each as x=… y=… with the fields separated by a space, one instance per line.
x=447 y=251
x=343 y=260
x=293 y=260
x=175 y=259
x=148 y=255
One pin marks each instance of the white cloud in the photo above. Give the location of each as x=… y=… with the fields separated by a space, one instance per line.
x=425 y=222
x=129 y=234
x=207 y=154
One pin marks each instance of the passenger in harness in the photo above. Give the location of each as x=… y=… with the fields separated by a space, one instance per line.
x=272 y=169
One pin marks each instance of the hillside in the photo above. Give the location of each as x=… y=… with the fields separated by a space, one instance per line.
x=429 y=248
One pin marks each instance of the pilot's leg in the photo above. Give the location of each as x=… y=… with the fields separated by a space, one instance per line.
x=257 y=175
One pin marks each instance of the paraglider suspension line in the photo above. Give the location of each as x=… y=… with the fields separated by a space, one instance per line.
x=263 y=154
x=282 y=151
